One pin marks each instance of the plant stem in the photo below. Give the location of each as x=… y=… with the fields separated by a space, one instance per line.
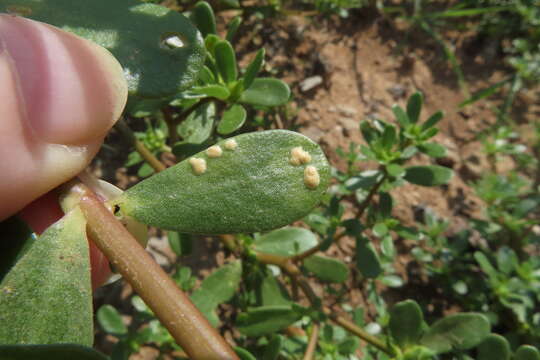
x=171 y=124
x=312 y=344
x=139 y=146
x=365 y=203
x=173 y=308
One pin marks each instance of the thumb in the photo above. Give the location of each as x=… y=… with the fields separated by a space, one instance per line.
x=60 y=94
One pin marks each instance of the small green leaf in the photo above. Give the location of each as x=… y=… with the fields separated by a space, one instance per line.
x=387 y=246
x=273 y=293
x=327 y=269
x=145 y=170
x=527 y=352
x=348 y=346
x=159 y=49
x=380 y=230
x=253 y=68
x=46 y=296
x=249 y=189
x=226 y=61
x=243 y=354
x=206 y=75
x=232 y=28
x=401 y=116
x=217 y=288
x=271 y=351
x=459 y=331
x=406 y=321
x=49 y=352
x=389 y=137
x=429 y=175
x=203 y=17
x=367 y=260
x=414 y=106
x=181 y=244
x=212 y=90
x=395 y=170
x=110 y=320
x=232 y=120
x=198 y=125
x=433 y=120
x=494 y=347
x=266 y=92
x=432 y=149
x=266 y=320
x=288 y=241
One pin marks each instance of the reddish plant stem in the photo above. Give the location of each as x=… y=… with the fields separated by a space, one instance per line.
x=312 y=344
x=172 y=307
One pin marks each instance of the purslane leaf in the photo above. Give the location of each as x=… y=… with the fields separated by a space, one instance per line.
x=459 y=331
x=428 y=175
x=327 y=269
x=266 y=92
x=226 y=61
x=288 y=241
x=46 y=297
x=233 y=118
x=406 y=320
x=203 y=17
x=253 y=68
x=266 y=320
x=251 y=186
x=494 y=347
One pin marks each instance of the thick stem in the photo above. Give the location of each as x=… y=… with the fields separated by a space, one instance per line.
x=173 y=308
x=312 y=344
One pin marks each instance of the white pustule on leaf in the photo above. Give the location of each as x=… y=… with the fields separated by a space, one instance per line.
x=231 y=144
x=299 y=156
x=311 y=177
x=214 y=151
x=198 y=165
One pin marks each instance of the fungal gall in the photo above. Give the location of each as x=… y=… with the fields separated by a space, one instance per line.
x=214 y=151
x=299 y=156
x=231 y=144
x=198 y=165
x=311 y=177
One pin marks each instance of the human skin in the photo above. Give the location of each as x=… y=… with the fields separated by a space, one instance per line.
x=60 y=95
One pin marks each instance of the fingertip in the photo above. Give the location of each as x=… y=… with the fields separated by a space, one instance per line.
x=72 y=90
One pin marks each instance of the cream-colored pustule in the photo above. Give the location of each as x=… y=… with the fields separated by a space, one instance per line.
x=198 y=165
x=299 y=156
x=214 y=151
x=231 y=144
x=311 y=177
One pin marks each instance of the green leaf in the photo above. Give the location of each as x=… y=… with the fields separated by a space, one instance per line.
x=249 y=189
x=406 y=321
x=395 y=170
x=46 y=297
x=143 y=37
x=198 y=125
x=110 y=320
x=414 y=106
x=401 y=116
x=288 y=241
x=272 y=293
x=266 y=320
x=432 y=149
x=212 y=90
x=253 y=68
x=226 y=61
x=433 y=120
x=348 y=346
x=367 y=260
x=494 y=347
x=527 y=352
x=232 y=28
x=271 y=351
x=459 y=331
x=16 y=239
x=484 y=93
x=266 y=92
x=49 y=352
x=389 y=137
x=217 y=288
x=380 y=230
x=203 y=17
x=232 y=120
x=327 y=269
x=181 y=244
x=429 y=175
x=243 y=354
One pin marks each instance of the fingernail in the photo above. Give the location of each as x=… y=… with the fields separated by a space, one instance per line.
x=72 y=90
